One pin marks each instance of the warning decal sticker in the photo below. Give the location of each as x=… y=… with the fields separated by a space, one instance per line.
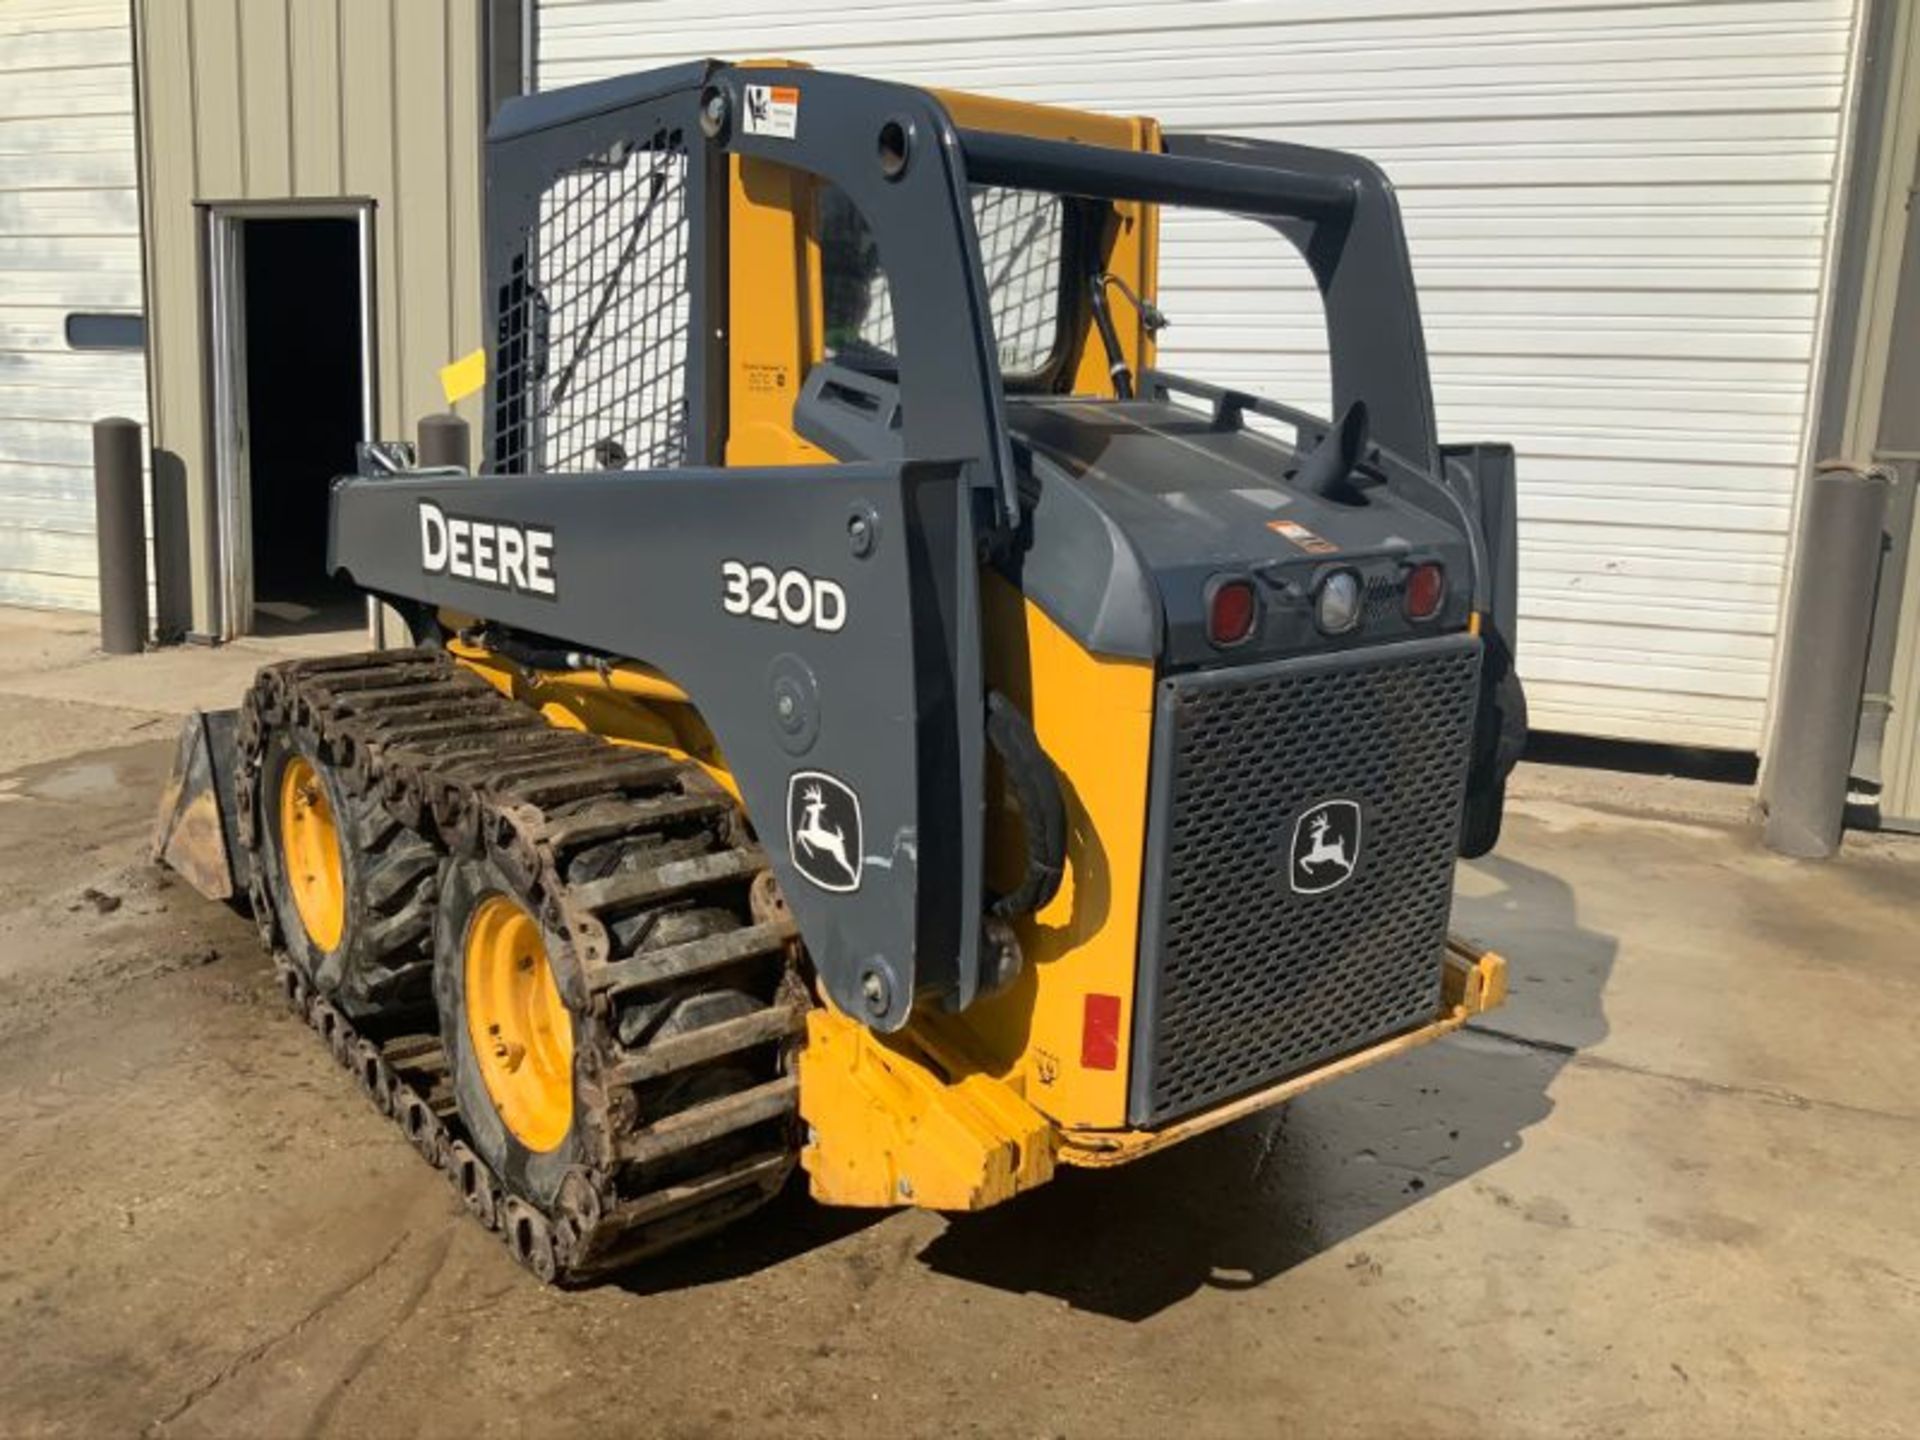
x=773 y=110
x=1303 y=537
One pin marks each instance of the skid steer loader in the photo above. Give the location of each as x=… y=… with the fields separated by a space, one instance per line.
x=861 y=713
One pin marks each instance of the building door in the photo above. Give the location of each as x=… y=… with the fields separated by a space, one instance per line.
x=292 y=396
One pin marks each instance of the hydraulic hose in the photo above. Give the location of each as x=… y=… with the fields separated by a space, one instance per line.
x=1043 y=812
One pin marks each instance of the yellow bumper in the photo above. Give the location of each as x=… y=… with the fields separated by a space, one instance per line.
x=885 y=1127
x=905 y=1120
x=1475 y=981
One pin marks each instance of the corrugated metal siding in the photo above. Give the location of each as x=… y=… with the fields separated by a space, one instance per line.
x=260 y=100
x=1618 y=214
x=69 y=240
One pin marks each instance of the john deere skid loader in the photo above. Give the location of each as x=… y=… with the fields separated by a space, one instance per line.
x=862 y=713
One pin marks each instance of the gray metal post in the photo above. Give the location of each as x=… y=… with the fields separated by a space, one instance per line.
x=120 y=524
x=444 y=440
x=1805 y=796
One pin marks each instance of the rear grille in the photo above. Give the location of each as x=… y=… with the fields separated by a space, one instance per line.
x=1244 y=979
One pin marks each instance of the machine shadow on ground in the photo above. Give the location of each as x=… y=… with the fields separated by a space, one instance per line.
x=791 y=1225
x=1237 y=1208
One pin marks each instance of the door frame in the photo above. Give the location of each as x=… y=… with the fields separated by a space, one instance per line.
x=224 y=240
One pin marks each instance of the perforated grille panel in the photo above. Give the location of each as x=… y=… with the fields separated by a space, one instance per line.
x=1245 y=979
x=1383 y=599
x=594 y=320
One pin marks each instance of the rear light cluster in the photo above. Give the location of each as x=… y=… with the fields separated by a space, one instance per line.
x=1339 y=602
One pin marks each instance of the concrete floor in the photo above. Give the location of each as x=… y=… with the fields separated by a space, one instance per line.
x=1668 y=1190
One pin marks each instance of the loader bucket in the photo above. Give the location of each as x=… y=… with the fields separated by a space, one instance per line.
x=195 y=834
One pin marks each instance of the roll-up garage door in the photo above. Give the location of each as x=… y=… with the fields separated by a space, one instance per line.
x=1619 y=215
x=70 y=340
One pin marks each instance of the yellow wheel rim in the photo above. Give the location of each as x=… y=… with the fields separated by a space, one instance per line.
x=310 y=845
x=521 y=1032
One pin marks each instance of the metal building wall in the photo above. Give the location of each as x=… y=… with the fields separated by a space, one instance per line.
x=69 y=241
x=1619 y=211
x=258 y=100
x=1882 y=420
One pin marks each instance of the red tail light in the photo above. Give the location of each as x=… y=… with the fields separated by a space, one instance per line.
x=1426 y=591
x=1232 y=609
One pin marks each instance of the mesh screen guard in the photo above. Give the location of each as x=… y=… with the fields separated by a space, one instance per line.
x=594 y=319
x=1021 y=235
x=1244 y=979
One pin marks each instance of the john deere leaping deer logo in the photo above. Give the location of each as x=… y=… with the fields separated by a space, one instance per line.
x=1326 y=846
x=823 y=830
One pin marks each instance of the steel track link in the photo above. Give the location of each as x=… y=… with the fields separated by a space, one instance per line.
x=478 y=774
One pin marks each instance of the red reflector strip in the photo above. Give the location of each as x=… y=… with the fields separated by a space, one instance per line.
x=1100 y=1033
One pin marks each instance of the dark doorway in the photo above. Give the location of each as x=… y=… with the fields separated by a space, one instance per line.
x=305 y=399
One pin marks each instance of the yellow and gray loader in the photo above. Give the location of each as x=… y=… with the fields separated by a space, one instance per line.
x=863 y=714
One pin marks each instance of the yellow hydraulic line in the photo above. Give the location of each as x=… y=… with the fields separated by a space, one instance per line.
x=630 y=678
x=642 y=681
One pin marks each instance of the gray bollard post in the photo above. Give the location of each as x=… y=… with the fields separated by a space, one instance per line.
x=1805 y=795
x=120 y=525
x=444 y=441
